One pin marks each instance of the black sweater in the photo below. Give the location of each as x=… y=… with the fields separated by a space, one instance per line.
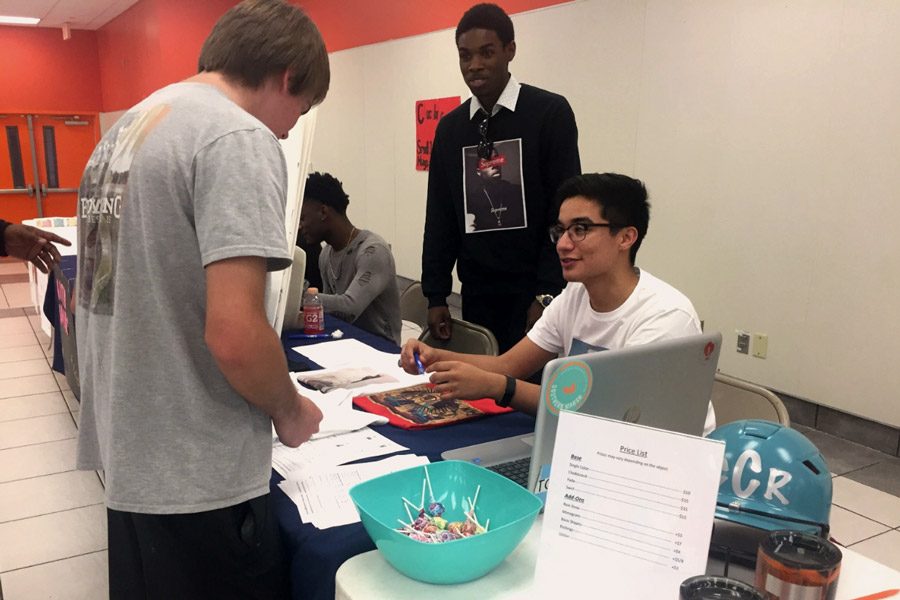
x=519 y=260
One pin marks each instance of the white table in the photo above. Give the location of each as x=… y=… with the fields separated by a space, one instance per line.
x=368 y=576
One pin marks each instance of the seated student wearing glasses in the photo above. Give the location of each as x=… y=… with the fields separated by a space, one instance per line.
x=608 y=303
x=359 y=279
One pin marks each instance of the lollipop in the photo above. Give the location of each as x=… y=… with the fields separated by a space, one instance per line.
x=430 y=526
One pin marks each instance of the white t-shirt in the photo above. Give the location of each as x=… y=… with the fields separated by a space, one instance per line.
x=654 y=311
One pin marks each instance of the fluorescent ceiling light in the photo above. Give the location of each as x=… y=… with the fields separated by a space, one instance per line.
x=19 y=20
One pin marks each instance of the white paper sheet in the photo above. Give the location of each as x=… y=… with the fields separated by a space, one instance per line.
x=330 y=451
x=341 y=353
x=321 y=495
x=338 y=415
x=353 y=353
x=629 y=507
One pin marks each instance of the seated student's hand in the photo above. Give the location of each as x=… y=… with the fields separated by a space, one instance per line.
x=439 y=322
x=297 y=423
x=411 y=348
x=459 y=380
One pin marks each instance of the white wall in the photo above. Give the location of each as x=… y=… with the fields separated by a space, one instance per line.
x=108 y=119
x=767 y=132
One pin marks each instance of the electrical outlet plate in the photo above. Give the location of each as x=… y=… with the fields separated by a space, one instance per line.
x=760 y=345
x=743 y=341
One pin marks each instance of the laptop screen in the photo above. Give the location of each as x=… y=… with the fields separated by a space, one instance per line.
x=665 y=384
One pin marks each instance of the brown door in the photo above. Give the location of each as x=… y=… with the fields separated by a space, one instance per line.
x=42 y=157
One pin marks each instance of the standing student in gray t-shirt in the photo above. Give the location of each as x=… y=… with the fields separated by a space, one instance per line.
x=181 y=216
x=359 y=279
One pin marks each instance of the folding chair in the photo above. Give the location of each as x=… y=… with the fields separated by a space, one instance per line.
x=413 y=305
x=735 y=399
x=467 y=338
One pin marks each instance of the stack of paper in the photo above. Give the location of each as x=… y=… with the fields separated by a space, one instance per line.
x=321 y=495
x=338 y=358
x=342 y=354
x=313 y=479
x=330 y=451
x=338 y=415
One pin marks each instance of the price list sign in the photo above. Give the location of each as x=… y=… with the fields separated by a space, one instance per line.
x=629 y=509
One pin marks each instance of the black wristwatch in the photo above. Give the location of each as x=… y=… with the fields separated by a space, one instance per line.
x=508 y=393
x=544 y=299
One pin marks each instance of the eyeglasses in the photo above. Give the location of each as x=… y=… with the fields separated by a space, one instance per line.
x=485 y=146
x=576 y=231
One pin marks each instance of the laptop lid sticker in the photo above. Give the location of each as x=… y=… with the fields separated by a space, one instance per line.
x=568 y=387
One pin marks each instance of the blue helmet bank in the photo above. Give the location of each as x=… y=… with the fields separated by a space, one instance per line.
x=773 y=477
x=568 y=387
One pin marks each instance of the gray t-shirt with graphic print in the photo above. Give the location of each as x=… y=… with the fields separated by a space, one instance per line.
x=182 y=180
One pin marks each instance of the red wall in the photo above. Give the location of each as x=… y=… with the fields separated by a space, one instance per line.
x=157 y=42
x=351 y=23
x=152 y=44
x=41 y=72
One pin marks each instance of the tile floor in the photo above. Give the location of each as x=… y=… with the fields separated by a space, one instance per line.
x=52 y=519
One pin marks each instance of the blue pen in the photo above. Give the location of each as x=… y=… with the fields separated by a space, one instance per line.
x=419 y=363
x=310 y=336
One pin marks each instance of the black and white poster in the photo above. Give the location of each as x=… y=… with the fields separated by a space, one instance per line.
x=492 y=188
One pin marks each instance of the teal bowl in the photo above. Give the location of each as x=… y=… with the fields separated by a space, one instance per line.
x=510 y=508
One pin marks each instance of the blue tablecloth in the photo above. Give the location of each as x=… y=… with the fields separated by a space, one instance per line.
x=315 y=554
x=68 y=265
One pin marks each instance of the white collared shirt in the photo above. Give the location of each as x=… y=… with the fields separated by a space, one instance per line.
x=507 y=99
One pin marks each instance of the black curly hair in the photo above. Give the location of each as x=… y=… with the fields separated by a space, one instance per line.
x=490 y=17
x=328 y=190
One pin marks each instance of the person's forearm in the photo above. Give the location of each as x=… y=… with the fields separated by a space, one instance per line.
x=441 y=237
x=493 y=364
x=346 y=305
x=527 y=397
x=253 y=362
x=373 y=274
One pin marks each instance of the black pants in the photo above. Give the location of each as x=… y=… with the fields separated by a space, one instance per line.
x=234 y=552
x=504 y=314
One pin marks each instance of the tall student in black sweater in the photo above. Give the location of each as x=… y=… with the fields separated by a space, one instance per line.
x=524 y=138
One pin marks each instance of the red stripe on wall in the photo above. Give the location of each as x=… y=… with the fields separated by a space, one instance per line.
x=351 y=23
x=157 y=42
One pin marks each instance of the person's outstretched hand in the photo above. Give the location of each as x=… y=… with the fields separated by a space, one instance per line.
x=34 y=245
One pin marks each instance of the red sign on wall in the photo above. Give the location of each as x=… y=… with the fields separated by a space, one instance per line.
x=428 y=113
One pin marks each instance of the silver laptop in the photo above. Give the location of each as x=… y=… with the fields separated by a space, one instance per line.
x=665 y=384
